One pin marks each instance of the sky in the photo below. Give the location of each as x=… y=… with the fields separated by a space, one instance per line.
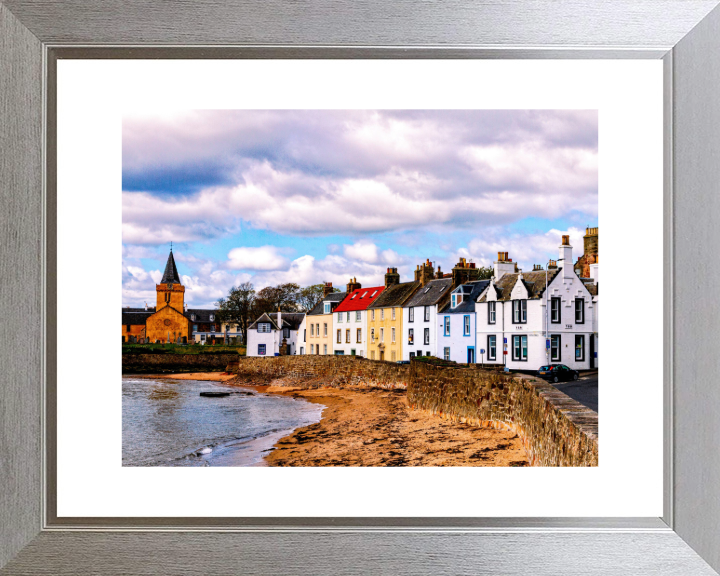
x=307 y=196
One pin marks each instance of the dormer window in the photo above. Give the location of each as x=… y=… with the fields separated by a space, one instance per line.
x=212 y=317
x=327 y=308
x=192 y=317
x=263 y=327
x=456 y=299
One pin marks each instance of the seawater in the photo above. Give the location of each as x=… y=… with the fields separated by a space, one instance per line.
x=168 y=423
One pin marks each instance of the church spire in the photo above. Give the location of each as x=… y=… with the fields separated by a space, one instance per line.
x=171 y=274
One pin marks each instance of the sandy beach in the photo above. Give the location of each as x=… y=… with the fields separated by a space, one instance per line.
x=375 y=427
x=206 y=376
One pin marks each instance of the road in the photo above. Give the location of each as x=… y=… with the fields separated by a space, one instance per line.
x=584 y=390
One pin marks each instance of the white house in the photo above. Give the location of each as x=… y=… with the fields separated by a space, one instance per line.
x=458 y=335
x=350 y=323
x=523 y=325
x=265 y=337
x=420 y=318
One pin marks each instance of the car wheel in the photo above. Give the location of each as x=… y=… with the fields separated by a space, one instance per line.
x=575 y=376
x=555 y=379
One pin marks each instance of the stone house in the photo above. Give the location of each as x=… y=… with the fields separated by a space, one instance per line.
x=527 y=320
x=350 y=321
x=316 y=330
x=274 y=334
x=385 y=318
x=457 y=338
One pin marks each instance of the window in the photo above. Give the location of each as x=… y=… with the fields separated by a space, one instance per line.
x=492 y=347
x=325 y=330
x=466 y=325
x=339 y=336
x=520 y=348
x=325 y=349
x=579 y=348
x=340 y=316
x=427 y=335
x=286 y=332
x=347 y=316
x=302 y=350
x=212 y=317
x=555 y=348
x=312 y=329
x=194 y=327
x=392 y=335
x=372 y=335
x=372 y=354
x=382 y=334
x=457 y=298
x=305 y=334
x=412 y=355
x=491 y=312
x=555 y=316
x=312 y=348
x=326 y=308
x=519 y=311
x=411 y=315
x=353 y=296
x=579 y=310
x=411 y=335
x=261 y=349
x=446 y=353
x=382 y=313
x=447 y=325
x=357 y=316
x=263 y=327
x=427 y=313
x=372 y=315
x=373 y=294
x=393 y=313
x=363 y=296
x=347 y=336
x=427 y=290
x=192 y=317
x=127 y=328
x=359 y=335
x=393 y=355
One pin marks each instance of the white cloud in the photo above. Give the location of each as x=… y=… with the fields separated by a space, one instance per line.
x=261 y=258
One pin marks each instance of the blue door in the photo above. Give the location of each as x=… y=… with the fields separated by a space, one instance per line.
x=471 y=355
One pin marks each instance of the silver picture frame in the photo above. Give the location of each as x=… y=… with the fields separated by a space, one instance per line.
x=685 y=34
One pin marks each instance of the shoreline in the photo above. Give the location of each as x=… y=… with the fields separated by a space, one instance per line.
x=203 y=376
x=363 y=426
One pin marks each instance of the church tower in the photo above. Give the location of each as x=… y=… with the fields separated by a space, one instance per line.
x=170 y=292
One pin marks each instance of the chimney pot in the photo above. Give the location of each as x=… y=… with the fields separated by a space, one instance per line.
x=566 y=240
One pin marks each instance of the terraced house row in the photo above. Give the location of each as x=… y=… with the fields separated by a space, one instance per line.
x=519 y=319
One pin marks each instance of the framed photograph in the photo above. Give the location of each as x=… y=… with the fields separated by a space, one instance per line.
x=428 y=159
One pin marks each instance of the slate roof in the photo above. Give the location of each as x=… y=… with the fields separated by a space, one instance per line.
x=334 y=297
x=533 y=281
x=201 y=315
x=360 y=299
x=136 y=316
x=290 y=320
x=471 y=291
x=395 y=295
x=171 y=274
x=432 y=293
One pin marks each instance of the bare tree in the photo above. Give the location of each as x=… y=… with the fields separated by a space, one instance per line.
x=238 y=307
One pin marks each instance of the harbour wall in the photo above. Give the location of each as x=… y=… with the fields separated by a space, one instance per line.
x=169 y=363
x=555 y=429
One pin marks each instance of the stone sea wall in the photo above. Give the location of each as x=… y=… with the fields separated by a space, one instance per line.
x=555 y=429
x=169 y=363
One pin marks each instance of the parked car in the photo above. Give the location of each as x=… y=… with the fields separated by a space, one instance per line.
x=558 y=373
x=403 y=362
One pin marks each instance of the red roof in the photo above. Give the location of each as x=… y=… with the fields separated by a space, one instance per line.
x=359 y=299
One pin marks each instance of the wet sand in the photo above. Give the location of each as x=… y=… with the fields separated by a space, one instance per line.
x=375 y=427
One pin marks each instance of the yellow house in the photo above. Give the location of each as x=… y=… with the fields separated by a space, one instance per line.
x=319 y=322
x=385 y=318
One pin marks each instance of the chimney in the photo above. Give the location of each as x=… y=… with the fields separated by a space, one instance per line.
x=463 y=272
x=594 y=274
x=145 y=305
x=392 y=277
x=504 y=265
x=565 y=260
x=424 y=272
x=353 y=285
x=279 y=320
x=327 y=289
x=591 y=241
